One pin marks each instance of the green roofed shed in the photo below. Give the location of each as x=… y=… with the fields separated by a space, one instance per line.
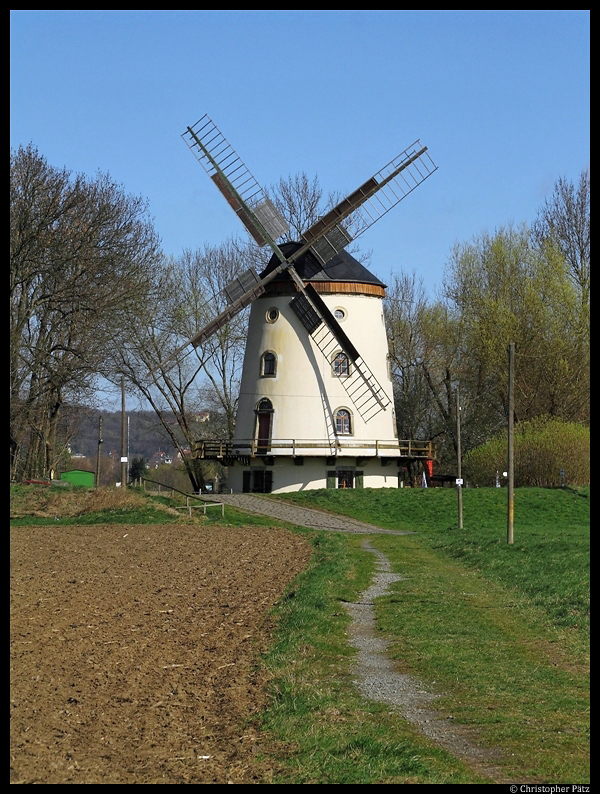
x=78 y=477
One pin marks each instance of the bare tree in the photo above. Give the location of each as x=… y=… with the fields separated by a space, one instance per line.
x=205 y=273
x=177 y=381
x=300 y=201
x=80 y=250
x=564 y=220
x=404 y=305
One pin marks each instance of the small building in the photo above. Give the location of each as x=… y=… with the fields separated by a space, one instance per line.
x=78 y=477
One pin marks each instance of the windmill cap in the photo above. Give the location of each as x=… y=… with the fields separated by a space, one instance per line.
x=341 y=268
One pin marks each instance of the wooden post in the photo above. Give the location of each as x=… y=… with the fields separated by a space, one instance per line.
x=458 y=456
x=98 y=458
x=511 y=426
x=123 y=452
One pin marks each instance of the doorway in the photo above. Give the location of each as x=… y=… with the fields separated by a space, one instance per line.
x=257 y=481
x=264 y=417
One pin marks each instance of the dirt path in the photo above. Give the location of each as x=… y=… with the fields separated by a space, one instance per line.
x=376 y=678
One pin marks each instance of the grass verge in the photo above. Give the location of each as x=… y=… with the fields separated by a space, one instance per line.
x=500 y=632
x=331 y=734
x=499 y=665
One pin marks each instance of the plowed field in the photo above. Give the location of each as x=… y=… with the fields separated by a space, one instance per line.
x=135 y=650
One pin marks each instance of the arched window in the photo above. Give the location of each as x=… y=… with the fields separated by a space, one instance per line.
x=268 y=365
x=265 y=406
x=343 y=422
x=341 y=365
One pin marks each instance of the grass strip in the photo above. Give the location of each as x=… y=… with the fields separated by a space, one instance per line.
x=492 y=656
x=332 y=735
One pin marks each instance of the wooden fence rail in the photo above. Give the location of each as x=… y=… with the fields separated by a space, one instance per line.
x=141 y=481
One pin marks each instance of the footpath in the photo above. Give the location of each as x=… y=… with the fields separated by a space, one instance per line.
x=374 y=673
x=301 y=516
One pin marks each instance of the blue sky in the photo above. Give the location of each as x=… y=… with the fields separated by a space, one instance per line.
x=500 y=98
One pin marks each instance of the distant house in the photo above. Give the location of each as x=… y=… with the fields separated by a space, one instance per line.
x=159 y=459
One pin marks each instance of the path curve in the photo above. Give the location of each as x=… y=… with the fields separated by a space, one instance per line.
x=373 y=671
x=302 y=516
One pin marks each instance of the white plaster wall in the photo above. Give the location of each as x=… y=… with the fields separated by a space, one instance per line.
x=304 y=388
x=313 y=474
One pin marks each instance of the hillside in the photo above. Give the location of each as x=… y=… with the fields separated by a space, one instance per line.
x=144 y=434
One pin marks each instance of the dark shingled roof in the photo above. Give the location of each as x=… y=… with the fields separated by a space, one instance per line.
x=341 y=267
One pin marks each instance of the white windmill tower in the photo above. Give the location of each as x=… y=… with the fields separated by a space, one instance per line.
x=313 y=411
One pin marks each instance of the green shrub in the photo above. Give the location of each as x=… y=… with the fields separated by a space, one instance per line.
x=542 y=448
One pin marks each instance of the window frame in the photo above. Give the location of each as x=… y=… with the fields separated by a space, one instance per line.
x=334 y=362
x=272 y=357
x=347 y=418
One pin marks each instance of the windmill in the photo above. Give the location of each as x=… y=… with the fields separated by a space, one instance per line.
x=332 y=403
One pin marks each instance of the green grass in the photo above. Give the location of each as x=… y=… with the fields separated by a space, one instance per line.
x=331 y=734
x=548 y=560
x=423 y=509
x=501 y=666
x=500 y=632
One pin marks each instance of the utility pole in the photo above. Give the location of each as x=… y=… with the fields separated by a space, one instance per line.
x=98 y=458
x=511 y=432
x=123 y=452
x=458 y=456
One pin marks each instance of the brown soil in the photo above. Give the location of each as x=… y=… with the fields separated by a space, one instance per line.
x=135 y=648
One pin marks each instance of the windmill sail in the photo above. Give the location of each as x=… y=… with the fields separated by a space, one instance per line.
x=371 y=201
x=241 y=191
x=325 y=238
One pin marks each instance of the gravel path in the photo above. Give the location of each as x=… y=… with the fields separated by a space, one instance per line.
x=376 y=678
x=374 y=672
x=304 y=517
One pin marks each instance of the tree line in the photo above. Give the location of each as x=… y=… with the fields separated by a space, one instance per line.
x=93 y=296
x=527 y=285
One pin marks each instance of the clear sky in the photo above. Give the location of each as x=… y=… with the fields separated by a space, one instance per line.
x=500 y=98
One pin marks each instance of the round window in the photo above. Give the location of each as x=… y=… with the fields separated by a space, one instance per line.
x=339 y=314
x=272 y=315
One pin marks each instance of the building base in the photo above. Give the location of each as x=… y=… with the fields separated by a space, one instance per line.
x=273 y=474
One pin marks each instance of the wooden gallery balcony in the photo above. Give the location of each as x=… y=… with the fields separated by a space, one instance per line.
x=227 y=452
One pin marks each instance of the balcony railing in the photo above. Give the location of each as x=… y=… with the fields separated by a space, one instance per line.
x=250 y=448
